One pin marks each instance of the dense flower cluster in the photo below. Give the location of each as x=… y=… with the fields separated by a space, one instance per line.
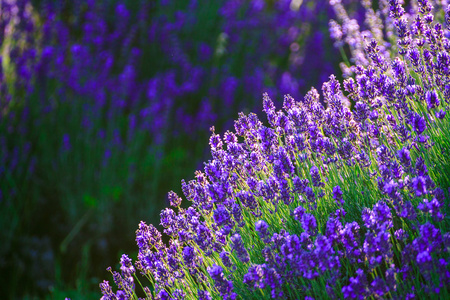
x=98 y=91
x=325 y=202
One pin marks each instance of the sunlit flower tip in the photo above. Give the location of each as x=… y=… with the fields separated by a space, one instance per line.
x=126 y=265
x=174 y=199
x=268 y=104
x=106 y=289
x=167 y=217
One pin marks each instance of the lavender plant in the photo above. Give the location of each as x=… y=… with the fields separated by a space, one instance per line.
x=323 y=202
x=99 y=99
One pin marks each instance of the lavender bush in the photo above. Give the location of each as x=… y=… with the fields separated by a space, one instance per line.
x=323 y=202
x=101 y=102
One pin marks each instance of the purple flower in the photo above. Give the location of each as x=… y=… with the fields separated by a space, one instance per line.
x=310 y=194
x=298 y=213
x=420 y=186
x=254 y=275
x=377 y=247
x=225 y=257
x=248 y=200
x=268 y=189
x=361 y=112
x=335 y=32
x=284 y=161
x=167 y=217
x=383 y=154
x=391 y=188
x=188 y=255
x=447 y=16
x=357 y=288
x=309 y=224
x=349 y=237
x=273 y=280
x=285 y=191
x=421 y=168
x=237 y=214
x=299 y=184
x=66 y=145
x=440 y=114
x=126 y=266
x=203 y=295
x=224 y=286
x=401 y=234
x=430 y=239
x=268 y=104
x=432 y=99
x=178 y=294
x=333 y=230
x=257 y=167
x=404 y=157
x=418 y=123
x=373 y=116
x=432 y=207
x=424 y=258
x=147 y=236
x=174 y=199
x=238 y=246
x=299 y=118
x=216 y=272
x=106 y=290
x=379 y=216
x=214 y=141
x=262 y=228
x=204 y=238
x=315 y=177
x=222 y=215
x=337 y=195
x=379 y=288
x=399 y=70
x=414 y=56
